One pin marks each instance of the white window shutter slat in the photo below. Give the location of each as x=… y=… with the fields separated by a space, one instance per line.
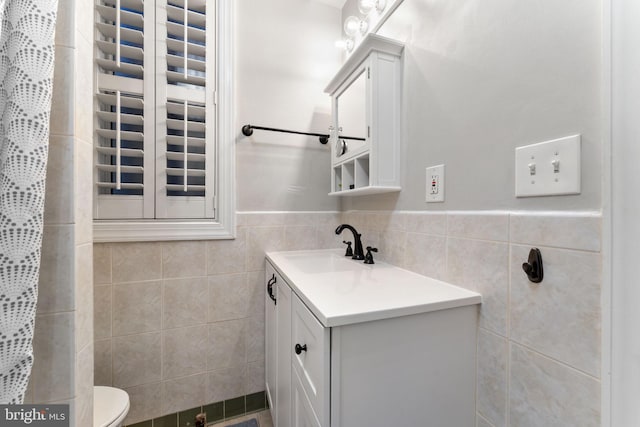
x=155 y=115
x=124 y=119
x=185 y=130
x=119 y=153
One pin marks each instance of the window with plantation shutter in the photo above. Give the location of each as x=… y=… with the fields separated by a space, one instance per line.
x=156 y=122
x=124 y=119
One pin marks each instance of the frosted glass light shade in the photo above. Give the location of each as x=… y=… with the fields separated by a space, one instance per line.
x=353 y=25
x=346 y=44
x=366 y=6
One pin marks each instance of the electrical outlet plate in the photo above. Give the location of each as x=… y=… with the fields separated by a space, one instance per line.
x=434 y=184
x=549 y=168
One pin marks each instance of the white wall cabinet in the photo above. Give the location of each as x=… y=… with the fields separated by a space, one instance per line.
x=366 y=103
x=408 y=370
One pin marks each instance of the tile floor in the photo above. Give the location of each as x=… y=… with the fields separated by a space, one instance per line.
x=264 y=420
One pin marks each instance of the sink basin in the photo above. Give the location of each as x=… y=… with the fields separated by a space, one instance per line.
x=311 y=263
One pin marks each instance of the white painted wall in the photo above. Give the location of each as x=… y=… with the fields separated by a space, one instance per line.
x=483 y=77
x=285 y=57
x=625 y=212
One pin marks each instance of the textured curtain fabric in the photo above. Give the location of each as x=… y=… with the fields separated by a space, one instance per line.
x=26 y=79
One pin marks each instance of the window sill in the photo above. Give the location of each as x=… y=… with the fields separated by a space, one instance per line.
x=158 y=230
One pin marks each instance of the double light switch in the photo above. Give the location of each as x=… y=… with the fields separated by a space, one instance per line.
x=548 y=168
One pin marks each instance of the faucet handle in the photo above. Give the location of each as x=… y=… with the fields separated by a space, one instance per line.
x=368 y=258
x=349 y=250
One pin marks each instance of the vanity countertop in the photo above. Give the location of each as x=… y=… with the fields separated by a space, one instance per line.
x=341 y=291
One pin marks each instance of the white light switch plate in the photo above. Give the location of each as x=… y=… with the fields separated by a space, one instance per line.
x=549 y=168
x=435 y=184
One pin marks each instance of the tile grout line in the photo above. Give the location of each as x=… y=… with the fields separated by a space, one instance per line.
x=555 y=360
x=162 y=334
x=110 y=248
x=507 y=406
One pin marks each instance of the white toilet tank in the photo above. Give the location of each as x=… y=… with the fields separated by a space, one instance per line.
x=110 y=406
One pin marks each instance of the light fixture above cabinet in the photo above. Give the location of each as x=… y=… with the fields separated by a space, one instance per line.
x=354 y=25
x=366 y=6
x=346 y=44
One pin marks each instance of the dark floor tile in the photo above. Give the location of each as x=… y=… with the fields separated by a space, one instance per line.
x=234 y=407
x=188 y=418
x=170 y=420
x=256 y=401
x=214 y=411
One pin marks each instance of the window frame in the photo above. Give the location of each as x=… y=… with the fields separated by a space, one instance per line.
x=224 y=225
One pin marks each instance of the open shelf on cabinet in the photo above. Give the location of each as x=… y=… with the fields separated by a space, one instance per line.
x=352 y=178
x=366 y=190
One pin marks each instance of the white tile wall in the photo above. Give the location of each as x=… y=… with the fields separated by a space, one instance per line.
x=476 y=250
x=254 y=381
x=135 y=262
x=561 y=316
x=184 y=302
x=136 y=307
x=229 y=297
x=261 y=240
x=227 y=344
x=492 y=377
x=481 y=422
x=145 y=401
x=63 y=338
x=102 y=312
x=223 y=384
x=54 y=357
x=137 y=359
x=184 y=259
x=426 y=254
x=557 y=322
x=59 y=210
x=83 y=188
x=84 y=386
x=482 y=266
x=184 y=351
x=228 y=256
x=580 y=231
x=545 y=338
x=179 y=324
x=62 y=116
x=56 y=287
x=84 y=296
x=183 y=392
x=102 y=362
x=544 y=392
x=479 y=225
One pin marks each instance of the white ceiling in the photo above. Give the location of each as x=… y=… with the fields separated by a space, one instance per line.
x=335 y=3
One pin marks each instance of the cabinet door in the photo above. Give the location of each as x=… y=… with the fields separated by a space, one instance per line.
x=284 y=351
x=270 y=338
x=352 y=112
x=311 y=357
x=303 y=415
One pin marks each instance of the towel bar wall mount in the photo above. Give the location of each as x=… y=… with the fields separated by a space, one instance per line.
x=247 y=130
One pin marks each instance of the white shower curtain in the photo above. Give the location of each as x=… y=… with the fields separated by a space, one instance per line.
x=26 y=78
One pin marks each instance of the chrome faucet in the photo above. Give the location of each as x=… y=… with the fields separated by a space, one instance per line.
x=358 y=253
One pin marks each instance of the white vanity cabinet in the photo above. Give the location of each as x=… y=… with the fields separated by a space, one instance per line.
x=297 y=385
x=365 y=134
x=278 y=347
x=377 y=346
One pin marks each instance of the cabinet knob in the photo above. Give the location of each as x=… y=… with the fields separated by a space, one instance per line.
x=300 y=348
